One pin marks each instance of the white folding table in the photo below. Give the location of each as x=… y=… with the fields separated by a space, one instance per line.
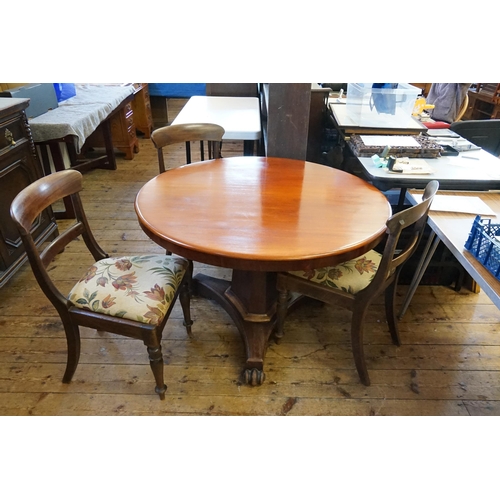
x=239 y=116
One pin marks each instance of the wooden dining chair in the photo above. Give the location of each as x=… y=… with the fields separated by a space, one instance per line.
x=131 y=295
x=463 y=108
x=188 y=132
x=356 y=283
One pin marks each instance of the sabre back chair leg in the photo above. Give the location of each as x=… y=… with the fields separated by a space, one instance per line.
x=73 y=342
x=280 y=315
x=358 y=318
x=390 y=312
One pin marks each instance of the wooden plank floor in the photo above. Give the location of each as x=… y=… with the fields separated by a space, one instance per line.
x=449 y=363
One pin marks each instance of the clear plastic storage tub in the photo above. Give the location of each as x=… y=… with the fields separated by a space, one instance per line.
x=381 y=107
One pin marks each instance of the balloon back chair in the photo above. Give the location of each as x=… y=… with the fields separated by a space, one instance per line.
x=355 y=284
x=187 y=132
x=131 y=295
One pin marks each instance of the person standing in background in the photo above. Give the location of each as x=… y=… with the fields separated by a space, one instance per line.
x=447 y=99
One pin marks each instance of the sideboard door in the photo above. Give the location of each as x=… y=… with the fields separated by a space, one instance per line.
x=19 y=167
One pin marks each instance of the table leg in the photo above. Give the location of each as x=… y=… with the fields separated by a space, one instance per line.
x=110 y=162
x=248 y=148
x=426 y=257
x=57 y=158
x=402 y=197
x=250 y=300
x=107 y=161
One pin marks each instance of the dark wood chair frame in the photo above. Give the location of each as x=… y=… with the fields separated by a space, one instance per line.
x=410 y=223
x=175 y=134
x=24 y=209
x=187 y=132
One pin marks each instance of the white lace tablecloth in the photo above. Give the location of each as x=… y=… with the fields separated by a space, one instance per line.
x=80 y=115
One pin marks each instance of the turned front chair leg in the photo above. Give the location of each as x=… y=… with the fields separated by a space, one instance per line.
x=156 y=363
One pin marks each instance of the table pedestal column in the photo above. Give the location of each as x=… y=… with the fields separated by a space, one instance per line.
x=250 y=300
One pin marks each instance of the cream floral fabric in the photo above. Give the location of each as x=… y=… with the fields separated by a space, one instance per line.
x=139 y=288
x=351 y=276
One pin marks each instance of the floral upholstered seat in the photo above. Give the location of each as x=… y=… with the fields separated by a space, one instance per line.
x=128 y=296
x=139 y=288
x=351 y=276
x=355 y=284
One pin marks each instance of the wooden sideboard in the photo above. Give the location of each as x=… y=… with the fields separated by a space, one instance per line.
x=19 y=167
x=141 y=105
x=134 y=115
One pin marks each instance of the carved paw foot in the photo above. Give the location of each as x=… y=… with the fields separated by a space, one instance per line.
x=253 y=376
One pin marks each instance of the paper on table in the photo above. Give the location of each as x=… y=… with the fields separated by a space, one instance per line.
x=441 y=132
x=416 y=166
x=459 y=144
x=459 y=204
x=390 y=140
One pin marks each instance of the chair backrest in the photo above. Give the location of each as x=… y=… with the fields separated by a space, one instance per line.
x=491 y=89
x=174 y=134
x=482 y=133
x=410 y=223
x=29 y=203
x=463 y=108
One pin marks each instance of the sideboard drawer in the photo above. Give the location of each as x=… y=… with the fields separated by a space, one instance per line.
x=11 y=133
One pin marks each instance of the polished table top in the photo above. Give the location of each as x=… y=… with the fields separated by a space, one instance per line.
x=265 y=214
x=258 y=216
x=240 y=116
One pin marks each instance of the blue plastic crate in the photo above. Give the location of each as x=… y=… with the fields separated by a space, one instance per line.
x=64 y=91
x=177 y=90
x=484 y=244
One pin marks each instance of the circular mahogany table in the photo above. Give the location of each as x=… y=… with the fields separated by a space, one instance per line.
x=259 y=216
